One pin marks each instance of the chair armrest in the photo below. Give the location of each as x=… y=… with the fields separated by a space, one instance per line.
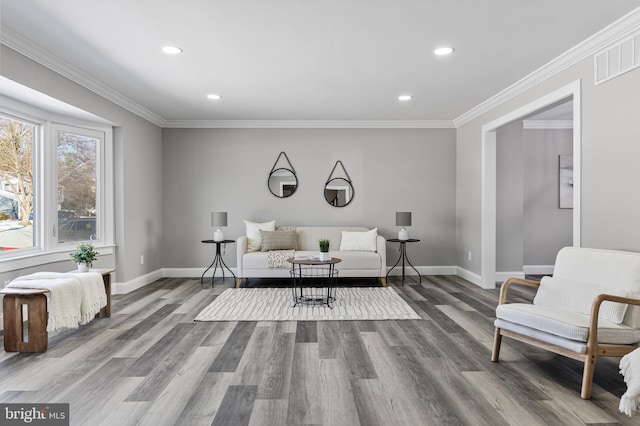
x=595 y=313
x=241 y=249
x=507 y=283
x=381 y=248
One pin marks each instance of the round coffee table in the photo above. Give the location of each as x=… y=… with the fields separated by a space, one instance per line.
x=310 y=269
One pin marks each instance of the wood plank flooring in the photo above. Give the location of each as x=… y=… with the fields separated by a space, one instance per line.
x=151 y=364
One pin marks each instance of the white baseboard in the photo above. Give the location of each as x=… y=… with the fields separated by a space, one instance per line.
x=503 y=276
x=423 y=270
x=538 y=269
x=136 y=283
x=472 y=277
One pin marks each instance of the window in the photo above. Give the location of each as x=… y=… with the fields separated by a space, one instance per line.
x=17 y=140
x=77 y=155
x=56 y=185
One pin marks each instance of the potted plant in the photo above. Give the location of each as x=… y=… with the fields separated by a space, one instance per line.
x=324 y=249
x=84 y=255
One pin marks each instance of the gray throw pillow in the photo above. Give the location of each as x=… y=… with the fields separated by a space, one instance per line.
x=279 y=240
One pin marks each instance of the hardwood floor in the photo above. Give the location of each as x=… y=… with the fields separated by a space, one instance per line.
x=150 y=364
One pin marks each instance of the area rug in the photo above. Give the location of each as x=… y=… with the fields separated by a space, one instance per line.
x=276 y=304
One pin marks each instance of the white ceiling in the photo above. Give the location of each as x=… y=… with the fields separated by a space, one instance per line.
x=305 y=59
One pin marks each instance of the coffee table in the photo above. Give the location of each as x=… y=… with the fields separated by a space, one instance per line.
x=322 y=273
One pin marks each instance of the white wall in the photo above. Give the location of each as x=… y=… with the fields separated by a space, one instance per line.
x=392 y=170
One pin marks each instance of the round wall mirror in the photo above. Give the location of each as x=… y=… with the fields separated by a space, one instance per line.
x=282 y=182
x=338 y=192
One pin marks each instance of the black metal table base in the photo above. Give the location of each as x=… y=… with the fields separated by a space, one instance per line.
x=403 y=257
x=218 y=262
x=324 y=282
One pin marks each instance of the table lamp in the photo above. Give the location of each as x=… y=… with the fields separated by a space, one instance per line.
x=403 y=219
x=218 y=220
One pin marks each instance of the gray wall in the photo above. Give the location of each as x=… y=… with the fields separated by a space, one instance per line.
x=509 y=198
x=392 y=170
x=610 y=130
x=547 y=228
x=531 y=227
x=138 y=170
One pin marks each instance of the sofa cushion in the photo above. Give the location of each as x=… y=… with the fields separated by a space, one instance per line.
x=308 y=236
x=578 y=296
x=279 y=240
x=254 y=239
x=566 y=324
x=357 y=260
x=359 y=241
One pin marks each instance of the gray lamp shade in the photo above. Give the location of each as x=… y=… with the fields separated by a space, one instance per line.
x=403 y=218
x=218 y=219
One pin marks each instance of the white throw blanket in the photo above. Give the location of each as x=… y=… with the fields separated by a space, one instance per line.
x=630 y=369
x=75 y=298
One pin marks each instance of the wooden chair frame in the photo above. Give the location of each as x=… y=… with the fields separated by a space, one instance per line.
x=594 y=349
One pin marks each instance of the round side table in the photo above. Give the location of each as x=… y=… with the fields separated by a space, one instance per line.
x=403 y=257
x=217 y=261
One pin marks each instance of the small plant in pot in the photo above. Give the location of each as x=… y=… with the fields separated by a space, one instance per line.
x=84 y=256
x=324 y=250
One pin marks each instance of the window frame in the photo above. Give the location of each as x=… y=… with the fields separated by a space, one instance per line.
x=46 y=248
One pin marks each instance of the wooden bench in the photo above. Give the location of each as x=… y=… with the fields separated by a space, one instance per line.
x=37 y=337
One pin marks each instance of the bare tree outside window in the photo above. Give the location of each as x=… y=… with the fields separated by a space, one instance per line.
x=76 y=187
x=16 y=183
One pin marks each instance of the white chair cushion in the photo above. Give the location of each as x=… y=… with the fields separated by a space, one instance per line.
x=566 y=324
x=616 y=269
x=572 y=345
x=579 y=296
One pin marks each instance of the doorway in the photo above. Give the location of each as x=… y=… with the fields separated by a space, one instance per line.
x=489 y=175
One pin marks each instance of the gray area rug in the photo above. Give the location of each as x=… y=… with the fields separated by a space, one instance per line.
x=276 y=304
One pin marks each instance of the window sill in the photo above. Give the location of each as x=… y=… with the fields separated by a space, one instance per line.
x=39 y=258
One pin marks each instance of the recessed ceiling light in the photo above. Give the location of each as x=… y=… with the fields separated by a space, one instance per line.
x=444 y=51
x=404 y=97
x=171 y=50
x=214 y=96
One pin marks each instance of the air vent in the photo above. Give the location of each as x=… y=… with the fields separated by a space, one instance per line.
x=617 y=59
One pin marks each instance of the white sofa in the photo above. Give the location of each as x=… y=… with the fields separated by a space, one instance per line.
x=253 y=264
x=589 y=308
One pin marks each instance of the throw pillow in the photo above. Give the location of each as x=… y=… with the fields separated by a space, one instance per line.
x=359 y=241
x=254 y=239
x=576 y=296
x=279 y=240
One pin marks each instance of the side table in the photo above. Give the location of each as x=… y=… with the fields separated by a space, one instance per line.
x=403 y=257
x=323 y=270
x=217 y=261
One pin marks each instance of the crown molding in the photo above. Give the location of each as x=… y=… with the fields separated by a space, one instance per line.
x=612 y=33
x=29 y=49
x=547 y=124
x=309 y=124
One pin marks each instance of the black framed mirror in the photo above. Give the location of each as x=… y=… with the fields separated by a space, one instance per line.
x=338 y=192
x=282 y=182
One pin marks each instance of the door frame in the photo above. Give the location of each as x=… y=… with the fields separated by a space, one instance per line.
x=488 y=192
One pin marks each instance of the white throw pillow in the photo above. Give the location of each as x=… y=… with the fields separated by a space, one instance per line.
x=359 y=241
x=578 y=296
x=254 y=239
